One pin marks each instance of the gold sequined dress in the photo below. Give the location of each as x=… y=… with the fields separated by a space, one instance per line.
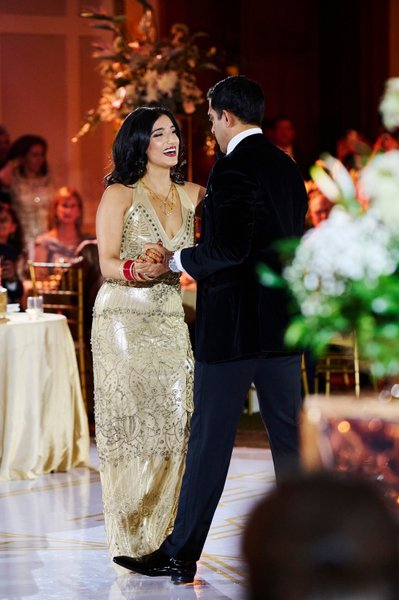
x=143 y=378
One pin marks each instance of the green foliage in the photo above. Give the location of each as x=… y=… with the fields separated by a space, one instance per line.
x=369 y=311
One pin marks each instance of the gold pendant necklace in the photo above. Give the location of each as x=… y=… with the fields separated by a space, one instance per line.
x=168 y=202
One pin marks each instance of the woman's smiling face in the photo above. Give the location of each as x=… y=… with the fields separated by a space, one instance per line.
x=163 y=149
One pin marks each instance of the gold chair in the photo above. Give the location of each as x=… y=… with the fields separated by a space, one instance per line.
x=61 y=285
x=304 y=377
x=342 y=358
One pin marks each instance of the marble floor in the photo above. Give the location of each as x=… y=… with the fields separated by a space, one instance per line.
x=52 y=540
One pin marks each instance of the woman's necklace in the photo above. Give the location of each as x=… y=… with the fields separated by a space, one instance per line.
x=167 y=202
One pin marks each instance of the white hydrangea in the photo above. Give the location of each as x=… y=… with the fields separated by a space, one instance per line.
x=342 y=249
x=380 y=182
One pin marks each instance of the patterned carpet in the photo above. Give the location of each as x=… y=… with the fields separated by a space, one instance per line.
x=251 y=432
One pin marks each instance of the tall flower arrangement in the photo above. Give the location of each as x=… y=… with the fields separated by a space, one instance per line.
x=345 y=274
x=146 y=71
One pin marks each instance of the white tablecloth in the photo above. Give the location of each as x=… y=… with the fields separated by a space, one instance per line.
x=43 y=421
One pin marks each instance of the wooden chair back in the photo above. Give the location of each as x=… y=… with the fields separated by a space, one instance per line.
x=61 y=285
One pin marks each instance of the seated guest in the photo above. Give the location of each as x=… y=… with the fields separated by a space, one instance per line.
x=385 y=142
x=10 y=228
x=11 y=245
x=282 y=134
x=322 y=536
x=60 y=243
x=319 y=208
x=9 y=274
x=353 y=150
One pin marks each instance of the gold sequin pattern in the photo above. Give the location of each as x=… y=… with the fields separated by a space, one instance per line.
x=143 y=372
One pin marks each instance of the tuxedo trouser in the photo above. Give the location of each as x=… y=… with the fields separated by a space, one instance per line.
x=220 y=391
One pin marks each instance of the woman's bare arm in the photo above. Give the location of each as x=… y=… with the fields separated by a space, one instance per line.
x=109 y=226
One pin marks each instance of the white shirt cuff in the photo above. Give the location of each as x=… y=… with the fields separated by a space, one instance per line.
x=176 y=256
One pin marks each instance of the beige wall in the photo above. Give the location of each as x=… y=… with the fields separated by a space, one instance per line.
x=48 y=81
x=394 y=39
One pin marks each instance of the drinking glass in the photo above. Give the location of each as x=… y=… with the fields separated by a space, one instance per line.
x=34 y=306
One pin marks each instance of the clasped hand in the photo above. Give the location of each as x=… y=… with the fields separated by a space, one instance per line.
x=153 y=262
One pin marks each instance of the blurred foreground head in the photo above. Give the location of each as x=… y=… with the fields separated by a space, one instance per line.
x=322 y=537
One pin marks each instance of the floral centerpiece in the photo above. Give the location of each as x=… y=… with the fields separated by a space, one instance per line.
x=146 y=71
x=345 y=274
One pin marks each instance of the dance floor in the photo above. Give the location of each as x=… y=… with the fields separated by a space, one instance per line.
x=53 y=541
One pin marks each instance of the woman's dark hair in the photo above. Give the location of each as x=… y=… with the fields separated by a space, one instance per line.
x=240 y=96
x=16 y=239
x=129 y=150
x=21 y=147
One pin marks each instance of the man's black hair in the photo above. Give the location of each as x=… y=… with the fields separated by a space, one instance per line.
x=240 y=96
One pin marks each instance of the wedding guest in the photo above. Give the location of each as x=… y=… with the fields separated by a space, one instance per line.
x=322 y=536
x=353 y=150
x=385 y=142
x=65 y=235
x=31 y=186
x=10 y=228
x=11 y=245
x=282 y=133
x=319 y=208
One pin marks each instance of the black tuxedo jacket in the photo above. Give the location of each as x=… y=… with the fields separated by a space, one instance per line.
x=255 y=196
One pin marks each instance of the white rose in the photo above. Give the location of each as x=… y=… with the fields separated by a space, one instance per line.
x=167 y=82
x=389 y=106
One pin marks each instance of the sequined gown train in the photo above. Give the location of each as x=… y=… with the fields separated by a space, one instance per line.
x=143 y=377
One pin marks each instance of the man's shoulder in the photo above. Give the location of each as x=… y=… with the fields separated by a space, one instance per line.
x=256 y=140
x=258 y=144
x=256 y=152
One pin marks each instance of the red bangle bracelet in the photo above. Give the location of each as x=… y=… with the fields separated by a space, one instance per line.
x=126 y=270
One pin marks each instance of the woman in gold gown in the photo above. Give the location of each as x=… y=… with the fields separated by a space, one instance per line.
x=143 y=365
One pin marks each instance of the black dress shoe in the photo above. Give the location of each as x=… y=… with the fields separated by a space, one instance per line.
x=158 y=564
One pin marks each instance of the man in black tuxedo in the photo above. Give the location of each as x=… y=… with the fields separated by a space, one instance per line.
x=255 y=197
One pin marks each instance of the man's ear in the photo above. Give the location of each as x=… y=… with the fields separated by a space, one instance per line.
x=229 y=119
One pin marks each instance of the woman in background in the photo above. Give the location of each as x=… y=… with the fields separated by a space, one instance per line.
x=31 y=186
x=61 y=242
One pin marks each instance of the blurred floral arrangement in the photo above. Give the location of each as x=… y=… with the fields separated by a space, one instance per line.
x=146 y=71
x=344 y=275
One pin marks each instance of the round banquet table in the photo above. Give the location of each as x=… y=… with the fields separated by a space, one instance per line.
x=43 y=421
